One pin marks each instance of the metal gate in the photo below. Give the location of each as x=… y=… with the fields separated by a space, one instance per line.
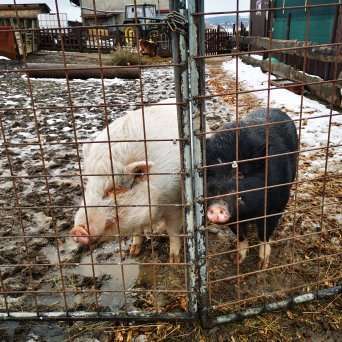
x=45 y=280
x=231 y=291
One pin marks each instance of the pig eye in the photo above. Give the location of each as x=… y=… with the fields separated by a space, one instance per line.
x=139 y=176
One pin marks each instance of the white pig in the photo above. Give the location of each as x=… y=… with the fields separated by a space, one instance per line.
x=129 y=157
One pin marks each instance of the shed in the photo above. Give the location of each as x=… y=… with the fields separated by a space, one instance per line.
x=23 y=16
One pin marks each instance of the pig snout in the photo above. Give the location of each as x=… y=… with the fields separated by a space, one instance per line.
x=218 y=213
x=80 y=234
x=90 y=226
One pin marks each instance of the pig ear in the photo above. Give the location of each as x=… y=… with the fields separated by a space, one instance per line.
x=140 y=167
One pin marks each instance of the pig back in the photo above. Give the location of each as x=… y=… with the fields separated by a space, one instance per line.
x=156 y=123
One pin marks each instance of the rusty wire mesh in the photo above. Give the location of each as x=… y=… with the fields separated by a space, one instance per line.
x=45 y=123
x=306 y=246
x=43 y=177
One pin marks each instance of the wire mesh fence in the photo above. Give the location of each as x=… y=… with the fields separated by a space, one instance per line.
x=106 y=184
x=47 y=176
x=279 y=250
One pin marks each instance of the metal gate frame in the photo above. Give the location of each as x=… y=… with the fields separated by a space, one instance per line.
x=194 y=93
x=190 y=85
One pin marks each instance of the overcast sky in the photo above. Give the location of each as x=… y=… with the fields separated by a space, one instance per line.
x=225 y=5
x=73 y=11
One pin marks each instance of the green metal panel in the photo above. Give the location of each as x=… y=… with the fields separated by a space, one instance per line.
x=280 y=19
x=320 y=21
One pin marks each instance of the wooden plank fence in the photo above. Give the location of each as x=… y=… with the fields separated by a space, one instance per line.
x=77 y=39
x=217 y=41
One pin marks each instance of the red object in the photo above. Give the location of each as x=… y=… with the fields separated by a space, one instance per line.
x=8 y=46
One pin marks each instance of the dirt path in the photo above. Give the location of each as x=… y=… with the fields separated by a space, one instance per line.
x=219 y=83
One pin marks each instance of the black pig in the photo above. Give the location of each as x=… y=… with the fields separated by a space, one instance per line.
x=220 y=148
x=282 y=138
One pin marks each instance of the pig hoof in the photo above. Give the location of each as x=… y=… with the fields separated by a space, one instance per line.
x=264 y=264
x=175 y=258
x=135 y=249
x=80 y=235
x=237 y=259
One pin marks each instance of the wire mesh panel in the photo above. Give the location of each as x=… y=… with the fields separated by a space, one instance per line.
x=271 y=166
x=138 y=187
x=95 y=194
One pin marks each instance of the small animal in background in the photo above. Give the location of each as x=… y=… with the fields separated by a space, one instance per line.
x=147 y=48
x=250 y=203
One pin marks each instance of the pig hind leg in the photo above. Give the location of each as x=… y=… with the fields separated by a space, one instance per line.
x=264 y=234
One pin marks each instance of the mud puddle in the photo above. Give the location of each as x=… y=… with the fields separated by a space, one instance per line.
x=103 y=268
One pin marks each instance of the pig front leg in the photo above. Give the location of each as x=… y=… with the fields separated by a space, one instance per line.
x=175 y=247
x=138 y=239
x=264 y=255
x=242 y=251
x=136 y=246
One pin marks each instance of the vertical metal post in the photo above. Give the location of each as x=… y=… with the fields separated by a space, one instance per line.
x=196 y=88
x=180 y=56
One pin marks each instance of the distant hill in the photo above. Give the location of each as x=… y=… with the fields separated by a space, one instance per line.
x=227 y=20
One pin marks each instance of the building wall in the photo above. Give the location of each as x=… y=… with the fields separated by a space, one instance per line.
x=27 y=13
x=119 y=6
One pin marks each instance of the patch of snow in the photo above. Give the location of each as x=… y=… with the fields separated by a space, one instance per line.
x=339 y=218
x=4 y=58
x=106 y=81
x=10 y=103
x=257 y=57
x=315 y=116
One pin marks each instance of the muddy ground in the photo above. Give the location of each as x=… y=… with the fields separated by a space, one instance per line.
x=33 y=274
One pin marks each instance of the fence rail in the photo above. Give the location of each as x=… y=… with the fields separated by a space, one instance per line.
x=217 y=40
x=77 y=39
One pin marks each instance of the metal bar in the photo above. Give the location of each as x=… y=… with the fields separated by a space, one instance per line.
x=266 y=9
x=196 y=46
x=283 y=304
x=95 y=316
x=111 y=160
x=280 y=293
x=179 y=56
